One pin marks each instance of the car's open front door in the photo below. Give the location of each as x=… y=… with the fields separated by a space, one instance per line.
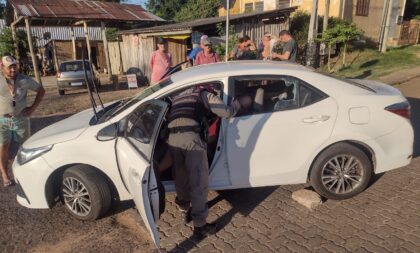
x=134 y=154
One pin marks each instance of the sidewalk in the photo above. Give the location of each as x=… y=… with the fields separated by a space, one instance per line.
x=401 y=76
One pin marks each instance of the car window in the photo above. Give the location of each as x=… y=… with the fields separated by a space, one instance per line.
x=274 y=93
x=73 y=66
x=142 y=125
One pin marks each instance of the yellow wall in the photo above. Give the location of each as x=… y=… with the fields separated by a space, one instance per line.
x=306 y=5
x=239 y=6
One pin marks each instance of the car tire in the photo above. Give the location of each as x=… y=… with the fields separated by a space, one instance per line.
x=85 y=193
x=61 y=92
x=340 y=172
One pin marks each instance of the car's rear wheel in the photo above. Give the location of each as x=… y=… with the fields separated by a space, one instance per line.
x=85 y=193
x=61 y=92
x=341 y=172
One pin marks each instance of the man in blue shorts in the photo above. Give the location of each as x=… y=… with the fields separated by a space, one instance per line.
x=14 y=112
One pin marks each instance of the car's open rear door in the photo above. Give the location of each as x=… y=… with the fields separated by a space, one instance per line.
x=134 y=152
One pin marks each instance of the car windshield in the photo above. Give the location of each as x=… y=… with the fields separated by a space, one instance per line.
x=124 y=104
x=73 y=66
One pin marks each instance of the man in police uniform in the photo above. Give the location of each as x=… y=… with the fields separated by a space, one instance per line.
x=14 y=112
x=189 y=150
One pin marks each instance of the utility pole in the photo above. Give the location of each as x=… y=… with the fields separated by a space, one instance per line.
x=326 y=15
x=311 y=50
x=387 y=26
x=32 y=50
x=227 y=29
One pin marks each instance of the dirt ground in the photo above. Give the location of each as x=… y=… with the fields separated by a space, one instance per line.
x=76 y=100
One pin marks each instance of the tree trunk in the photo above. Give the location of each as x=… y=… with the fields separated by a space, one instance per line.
x=329 y=58
x=344 y=54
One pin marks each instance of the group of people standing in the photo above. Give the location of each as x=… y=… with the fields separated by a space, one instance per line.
x=161 y=60
x=187 y=153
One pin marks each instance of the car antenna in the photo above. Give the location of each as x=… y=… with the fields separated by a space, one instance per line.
x=92 y=100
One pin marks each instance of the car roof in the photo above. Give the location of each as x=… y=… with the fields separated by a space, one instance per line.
x=236 y=68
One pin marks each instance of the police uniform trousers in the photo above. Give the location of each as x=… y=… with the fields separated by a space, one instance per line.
x=189 y=153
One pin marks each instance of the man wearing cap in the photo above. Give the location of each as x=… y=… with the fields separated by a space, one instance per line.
x=14 y=112
x=160 y=62
x=197 y=49
x=207 y=55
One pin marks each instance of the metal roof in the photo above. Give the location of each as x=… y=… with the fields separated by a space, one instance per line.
x=82 y=10
x=58 y=32
x=208 y=21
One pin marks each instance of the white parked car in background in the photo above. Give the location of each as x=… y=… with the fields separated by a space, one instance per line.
x=306 y=126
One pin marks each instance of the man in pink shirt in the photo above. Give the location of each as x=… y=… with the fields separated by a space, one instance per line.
x=207 y=55
x=160 y=62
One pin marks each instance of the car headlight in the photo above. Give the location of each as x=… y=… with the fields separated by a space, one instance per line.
x=26 y=155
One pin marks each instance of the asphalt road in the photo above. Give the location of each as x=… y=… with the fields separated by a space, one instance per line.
x=385 y=218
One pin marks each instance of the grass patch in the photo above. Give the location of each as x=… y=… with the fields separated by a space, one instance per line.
x=372 y=64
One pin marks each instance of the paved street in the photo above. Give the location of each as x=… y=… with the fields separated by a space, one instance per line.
x=385 y=218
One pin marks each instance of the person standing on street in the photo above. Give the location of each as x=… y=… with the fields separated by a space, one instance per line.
x=160 y=62
x=207 y=55
x=244 y=50
x=189 y=150
x=197 y=49
x=289 y=49
x=14 y=112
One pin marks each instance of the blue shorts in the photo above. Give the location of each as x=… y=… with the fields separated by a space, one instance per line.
x=13 y=129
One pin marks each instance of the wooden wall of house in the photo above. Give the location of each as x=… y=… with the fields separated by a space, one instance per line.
x=115 y=57
x=178 y=50
x=64 y=52
x=256 y=28
x=136 y=51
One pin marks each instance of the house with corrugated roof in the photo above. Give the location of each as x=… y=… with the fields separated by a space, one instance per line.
x=71 y=20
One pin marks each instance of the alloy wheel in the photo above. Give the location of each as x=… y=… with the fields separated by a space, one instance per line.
x=76 y=196
x=342 y=174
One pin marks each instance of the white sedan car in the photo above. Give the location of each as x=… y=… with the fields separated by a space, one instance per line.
x=303 y=127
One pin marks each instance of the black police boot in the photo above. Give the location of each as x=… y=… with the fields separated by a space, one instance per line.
x=204 y=231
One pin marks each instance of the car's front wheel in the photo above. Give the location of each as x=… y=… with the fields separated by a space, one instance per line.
x=85 y=193
x=341 y=172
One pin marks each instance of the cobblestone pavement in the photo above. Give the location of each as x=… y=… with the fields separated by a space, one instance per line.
x=384 y=218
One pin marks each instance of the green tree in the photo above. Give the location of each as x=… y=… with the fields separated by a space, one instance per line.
x=7 y=46
x=342 y=32
x=165 y=9
x=220 y=49
x=111 y=34
x=196 y=9
x=412 y=9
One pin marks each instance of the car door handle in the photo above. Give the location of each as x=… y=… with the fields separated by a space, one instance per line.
x=318 y=118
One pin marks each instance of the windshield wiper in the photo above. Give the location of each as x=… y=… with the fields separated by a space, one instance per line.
x=92 y=99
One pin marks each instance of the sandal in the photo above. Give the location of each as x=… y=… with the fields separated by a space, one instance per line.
x=9 y=183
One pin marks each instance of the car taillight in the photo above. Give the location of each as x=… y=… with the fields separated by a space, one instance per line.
x=58 y=74
x=403 y=109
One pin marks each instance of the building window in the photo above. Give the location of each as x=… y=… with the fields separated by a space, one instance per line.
x=249 y=7
x=362 y=8
x=259 y=6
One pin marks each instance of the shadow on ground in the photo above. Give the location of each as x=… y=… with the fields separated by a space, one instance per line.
x=242 y=201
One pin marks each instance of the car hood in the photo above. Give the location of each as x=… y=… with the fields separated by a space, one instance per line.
x=61 y=131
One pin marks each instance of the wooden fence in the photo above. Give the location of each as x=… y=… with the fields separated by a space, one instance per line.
x=410 y=33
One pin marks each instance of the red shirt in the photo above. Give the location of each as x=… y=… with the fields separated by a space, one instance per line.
x=202 y=58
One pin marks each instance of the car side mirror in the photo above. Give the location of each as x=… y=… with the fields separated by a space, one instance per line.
x=108 y=133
